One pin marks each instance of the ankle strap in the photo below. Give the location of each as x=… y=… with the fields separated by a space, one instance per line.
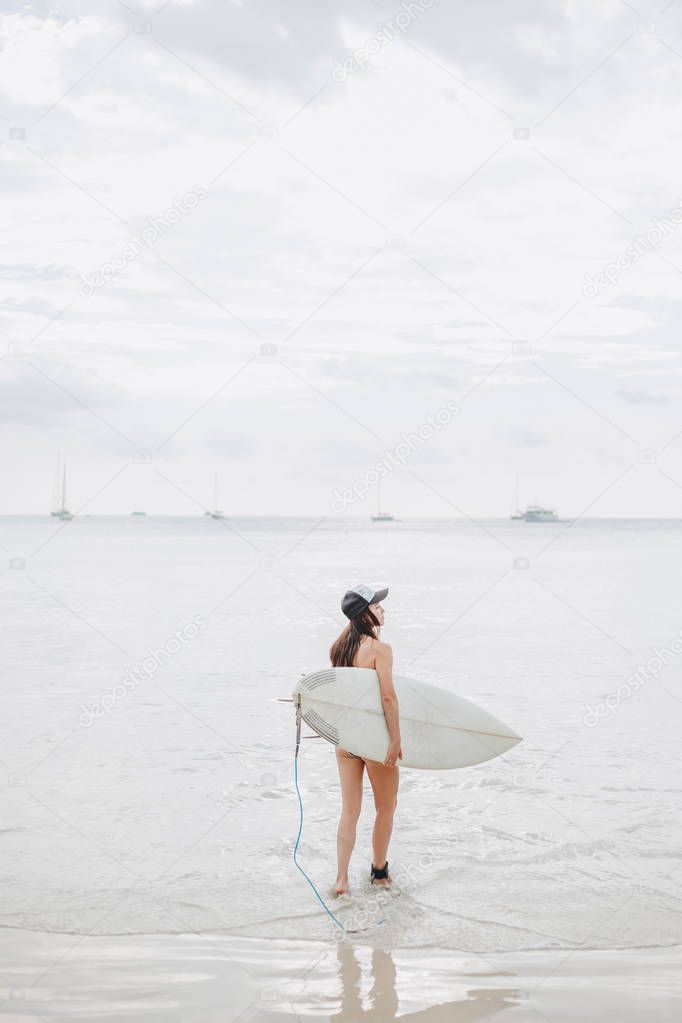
x=380 y=873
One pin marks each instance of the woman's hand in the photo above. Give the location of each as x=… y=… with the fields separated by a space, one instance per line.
x=393 y=754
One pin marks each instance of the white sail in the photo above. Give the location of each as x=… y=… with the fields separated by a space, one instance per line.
x=59 y=509
x=381 y=516
x=216 y=512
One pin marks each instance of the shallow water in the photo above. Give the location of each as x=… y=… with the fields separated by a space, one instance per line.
x=175 y=810
x=215 y=978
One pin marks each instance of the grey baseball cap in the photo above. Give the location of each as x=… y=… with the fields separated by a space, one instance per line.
x=358 y=599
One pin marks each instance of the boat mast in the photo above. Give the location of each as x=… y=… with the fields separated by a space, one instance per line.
x=57 y=484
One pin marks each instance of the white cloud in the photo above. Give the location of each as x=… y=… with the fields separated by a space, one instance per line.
x=393 y=239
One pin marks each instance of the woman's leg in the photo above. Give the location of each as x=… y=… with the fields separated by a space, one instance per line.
x=350 y=773
x=384 y=781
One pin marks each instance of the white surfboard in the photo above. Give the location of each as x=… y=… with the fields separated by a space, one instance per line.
x=438 y=730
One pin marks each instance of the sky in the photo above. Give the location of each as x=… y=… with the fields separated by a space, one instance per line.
x=271 y=242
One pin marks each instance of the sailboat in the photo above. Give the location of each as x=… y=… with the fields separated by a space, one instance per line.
x=60 y=511
x=381 y=516
x=215 y=511
x=538 y=513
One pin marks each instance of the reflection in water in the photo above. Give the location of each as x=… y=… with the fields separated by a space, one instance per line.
x=381 y=1003
x=382 y=996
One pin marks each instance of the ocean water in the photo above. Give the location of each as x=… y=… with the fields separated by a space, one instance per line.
x=147 y=781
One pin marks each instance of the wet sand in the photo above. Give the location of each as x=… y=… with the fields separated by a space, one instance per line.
x=212 y=977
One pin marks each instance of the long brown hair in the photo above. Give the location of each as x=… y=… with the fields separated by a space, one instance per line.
x=344 y=648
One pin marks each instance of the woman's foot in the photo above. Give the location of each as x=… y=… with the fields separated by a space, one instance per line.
x=341 y=886
x=380 y=876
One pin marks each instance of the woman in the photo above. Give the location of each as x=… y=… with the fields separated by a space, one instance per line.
x=360 y=646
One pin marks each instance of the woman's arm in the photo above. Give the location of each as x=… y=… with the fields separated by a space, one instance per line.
x=389 y=702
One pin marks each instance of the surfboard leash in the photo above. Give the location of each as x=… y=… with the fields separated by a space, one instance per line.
x=342 y=927
x=338 y=923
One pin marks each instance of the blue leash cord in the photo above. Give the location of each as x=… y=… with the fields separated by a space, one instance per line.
x=298 y=839
x=344 y=929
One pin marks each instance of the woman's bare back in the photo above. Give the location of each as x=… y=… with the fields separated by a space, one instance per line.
x=366 y=654
x=365 y=657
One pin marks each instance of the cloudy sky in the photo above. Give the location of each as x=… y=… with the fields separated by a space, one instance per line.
x=265 y=240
